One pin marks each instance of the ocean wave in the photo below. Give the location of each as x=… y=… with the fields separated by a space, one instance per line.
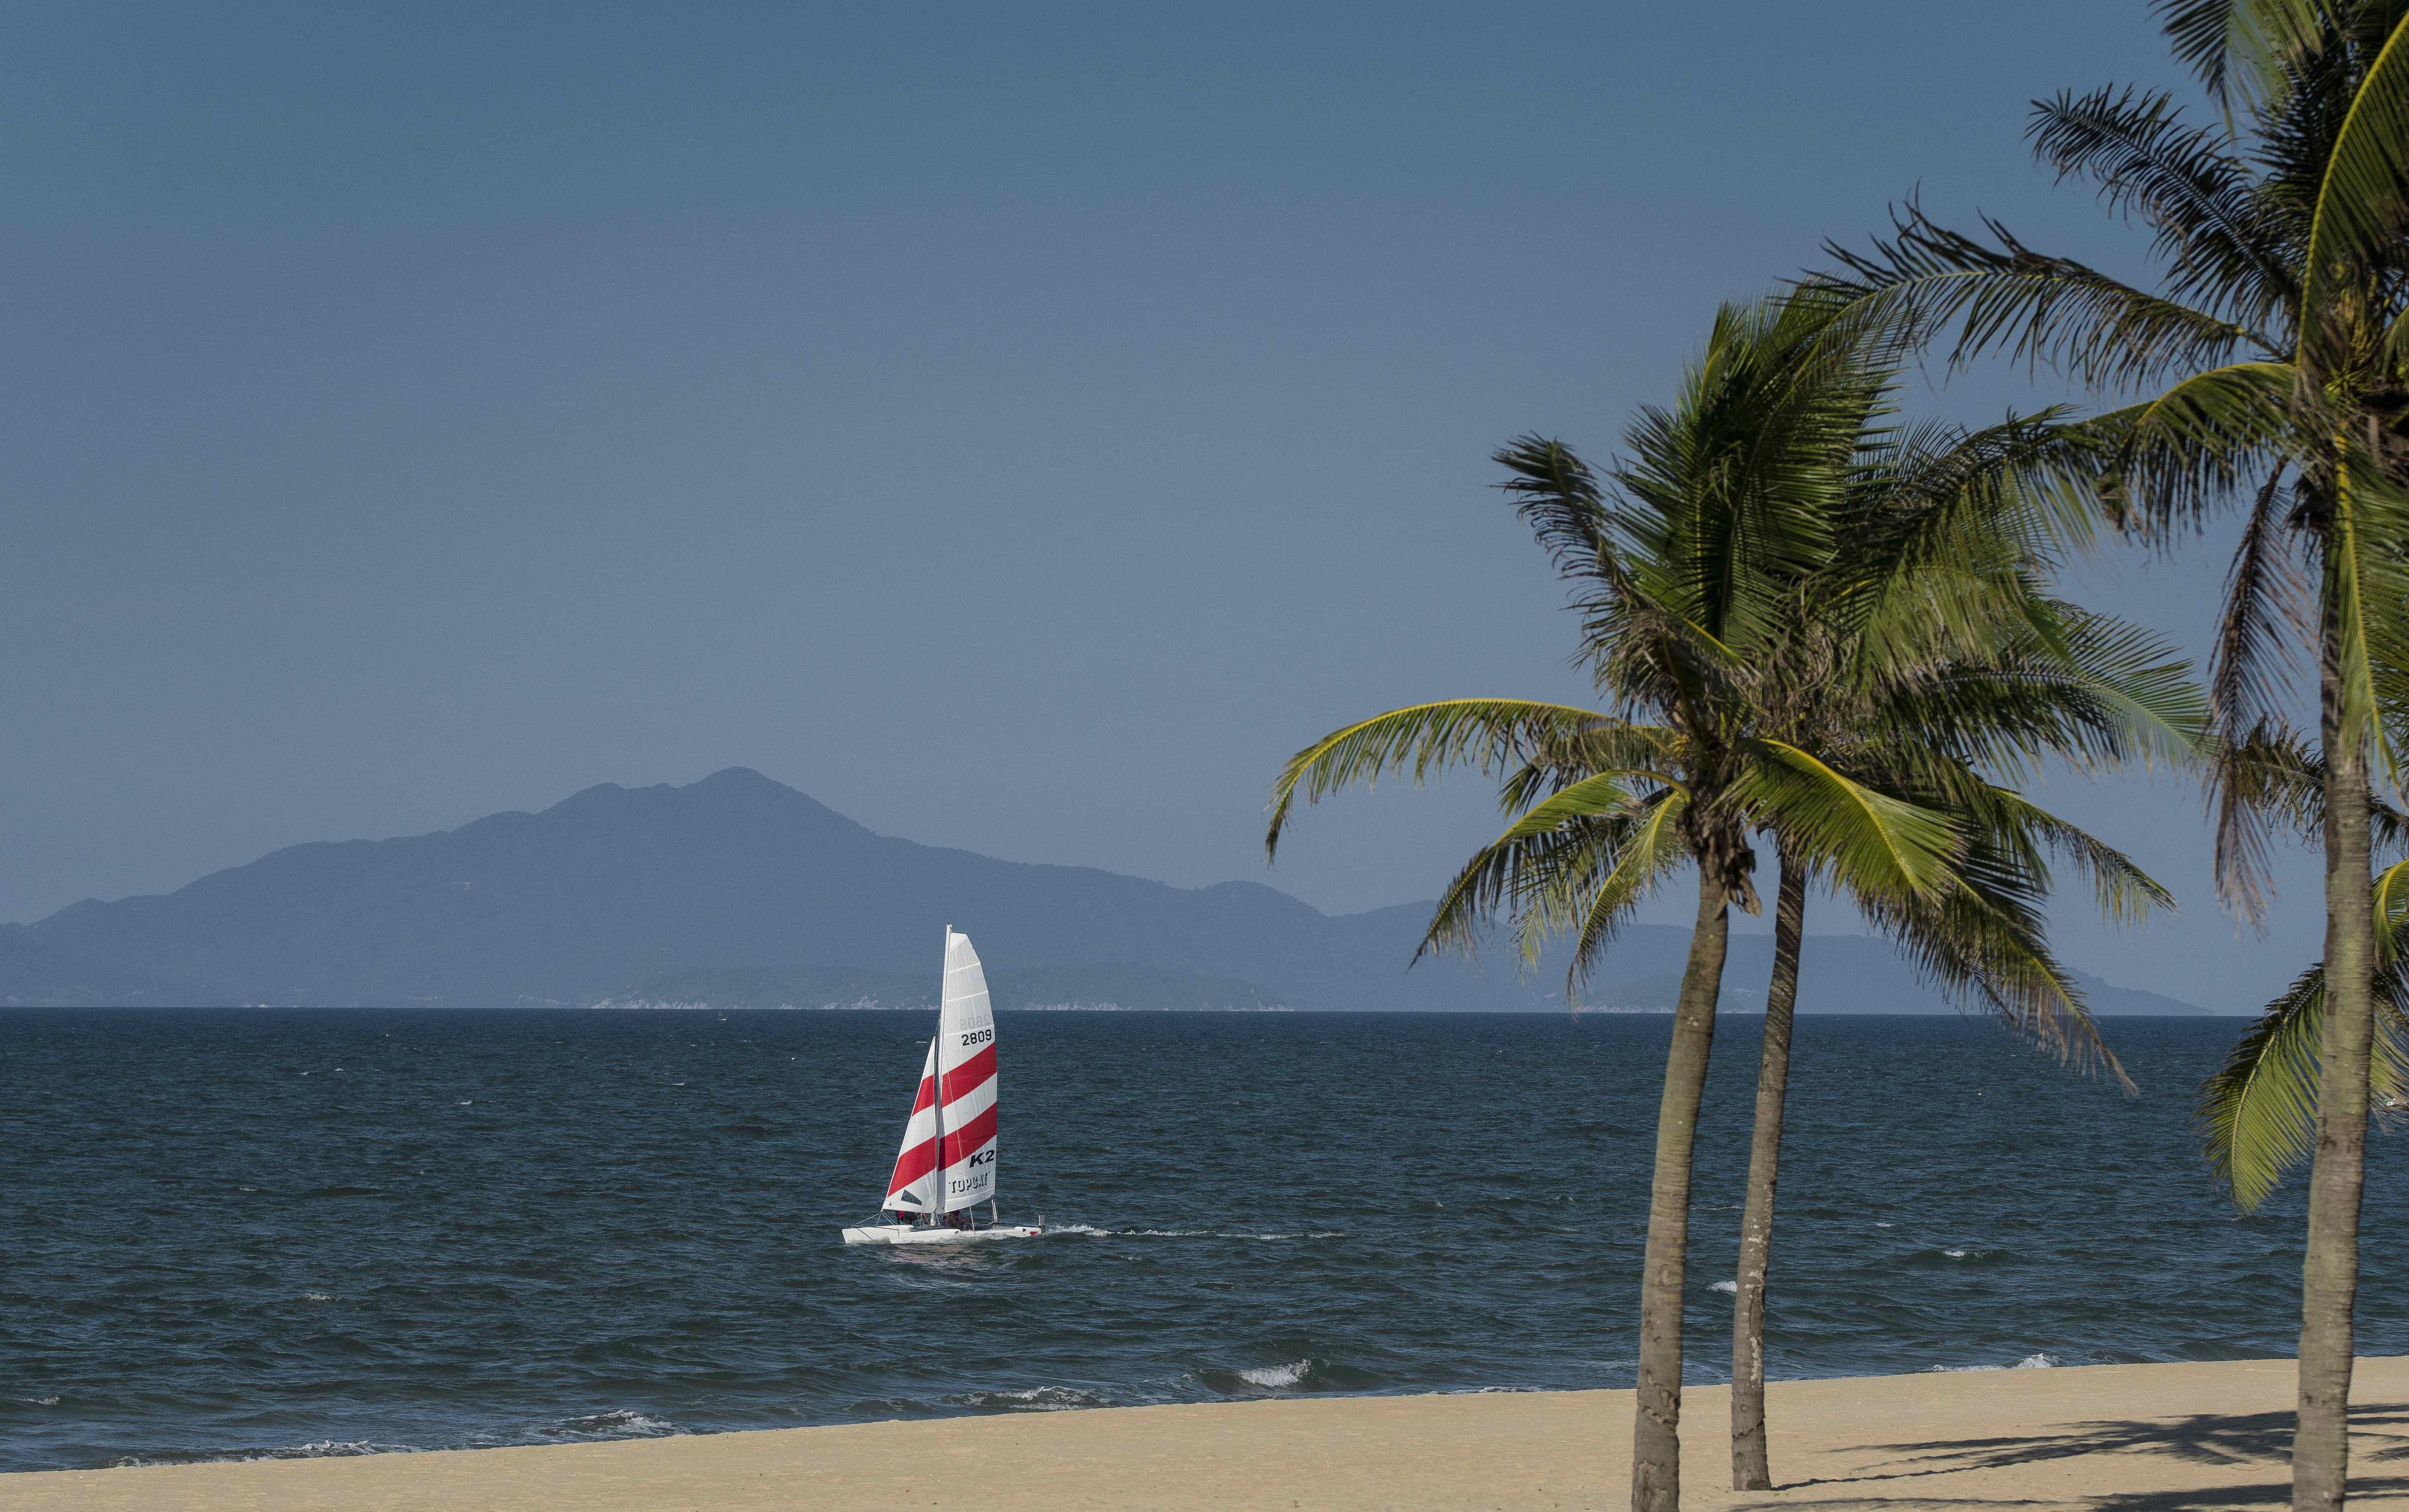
x=331 y=1448
x=325 y=1448
x=1956 y=1254
x=1307 y=1375
x=1029 y=1399
x=2037 y=1361
x=620 y=1424
x=1729 y=1288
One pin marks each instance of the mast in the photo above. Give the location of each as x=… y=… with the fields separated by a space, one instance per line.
x=937 y=1058
x=937 y=1111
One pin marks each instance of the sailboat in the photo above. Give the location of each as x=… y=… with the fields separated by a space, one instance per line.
x=948 y=1165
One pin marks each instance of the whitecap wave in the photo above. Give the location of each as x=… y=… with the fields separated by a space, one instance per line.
x=619 y=1424
x=1277 y=1377
x=1728 y=1288
x=2037 y=1361
x=1030 y=1399
x=334 y=1448
x=325 y=1448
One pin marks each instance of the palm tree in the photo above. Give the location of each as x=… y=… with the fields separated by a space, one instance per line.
x=1865 y=672
x=2278 y=330
x=1691 y=578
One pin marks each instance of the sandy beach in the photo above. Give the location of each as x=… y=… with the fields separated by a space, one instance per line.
x=2133 y=1438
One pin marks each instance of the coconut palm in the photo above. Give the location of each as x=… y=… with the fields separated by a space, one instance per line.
x=1691 y=574
x=2278 y=330
x=1910 y=659
x=1855 y=682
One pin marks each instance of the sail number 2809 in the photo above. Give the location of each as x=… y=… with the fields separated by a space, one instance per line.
x=977 y=1036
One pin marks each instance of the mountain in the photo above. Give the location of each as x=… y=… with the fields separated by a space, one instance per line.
x=1084 y=985
x=745 y=890
x=34 y=970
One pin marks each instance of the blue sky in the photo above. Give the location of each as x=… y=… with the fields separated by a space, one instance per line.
x=1018 y=430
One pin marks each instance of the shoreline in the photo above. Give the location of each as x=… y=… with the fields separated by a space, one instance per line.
x=2133 y=1438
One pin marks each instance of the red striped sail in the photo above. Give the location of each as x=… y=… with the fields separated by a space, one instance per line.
x=966 y=1081
x=913 y=1187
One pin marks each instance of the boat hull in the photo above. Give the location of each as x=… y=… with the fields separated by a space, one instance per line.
x=902 y=1234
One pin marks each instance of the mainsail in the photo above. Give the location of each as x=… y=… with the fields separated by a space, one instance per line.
x=948 y=1158
x=913 y=1186
x=965 y=1080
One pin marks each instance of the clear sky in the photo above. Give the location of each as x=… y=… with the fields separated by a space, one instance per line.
x=1017 y=428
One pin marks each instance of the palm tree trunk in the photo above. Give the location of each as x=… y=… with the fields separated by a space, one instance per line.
x=2329 y=1271
x=1751 y=1467
x=1656 y=1428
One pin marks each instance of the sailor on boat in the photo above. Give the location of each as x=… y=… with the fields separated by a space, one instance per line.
x=948 y=1165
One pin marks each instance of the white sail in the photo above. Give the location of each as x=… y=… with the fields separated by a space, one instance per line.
x=912 y=1189
x=965 y=1081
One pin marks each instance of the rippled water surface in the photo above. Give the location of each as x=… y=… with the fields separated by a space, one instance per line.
x=228 y=1234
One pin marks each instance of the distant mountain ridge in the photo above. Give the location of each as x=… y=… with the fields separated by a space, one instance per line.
x=745 y=887
x=1079 y=985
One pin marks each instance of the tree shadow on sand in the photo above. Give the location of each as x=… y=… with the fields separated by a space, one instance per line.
x=2379 y=1437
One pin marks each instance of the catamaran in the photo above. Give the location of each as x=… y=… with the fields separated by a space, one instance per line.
x=948 y=1166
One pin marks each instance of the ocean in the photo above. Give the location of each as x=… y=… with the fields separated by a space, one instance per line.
x=259 y=1233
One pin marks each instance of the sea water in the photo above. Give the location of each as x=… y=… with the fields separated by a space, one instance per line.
x=242 y=1233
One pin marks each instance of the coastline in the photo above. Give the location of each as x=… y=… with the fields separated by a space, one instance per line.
x=2134 y=1438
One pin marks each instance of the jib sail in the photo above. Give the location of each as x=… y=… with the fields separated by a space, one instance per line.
x=912 y=1189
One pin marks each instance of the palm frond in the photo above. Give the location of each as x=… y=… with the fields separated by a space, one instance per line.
x=2002 y=294
x=2177 y=454
x=2089 y=690
x=1559 y=761
x=2273 y=770
x=2263 y=620
x=2366 y=585
x=1987 y=940
x=2238 y=48
x=1556 y=495
x=1583 y=834
x=1657 y=846
x=2257 y=1115
x=2363 y=207
x=2125 y=892
x=1489 y=734
x=2260 y=1112
x=2186 y=182
x=1652 y=649
x=1872 y=842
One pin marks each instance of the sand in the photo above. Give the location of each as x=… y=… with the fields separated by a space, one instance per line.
x=2128 y=1439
